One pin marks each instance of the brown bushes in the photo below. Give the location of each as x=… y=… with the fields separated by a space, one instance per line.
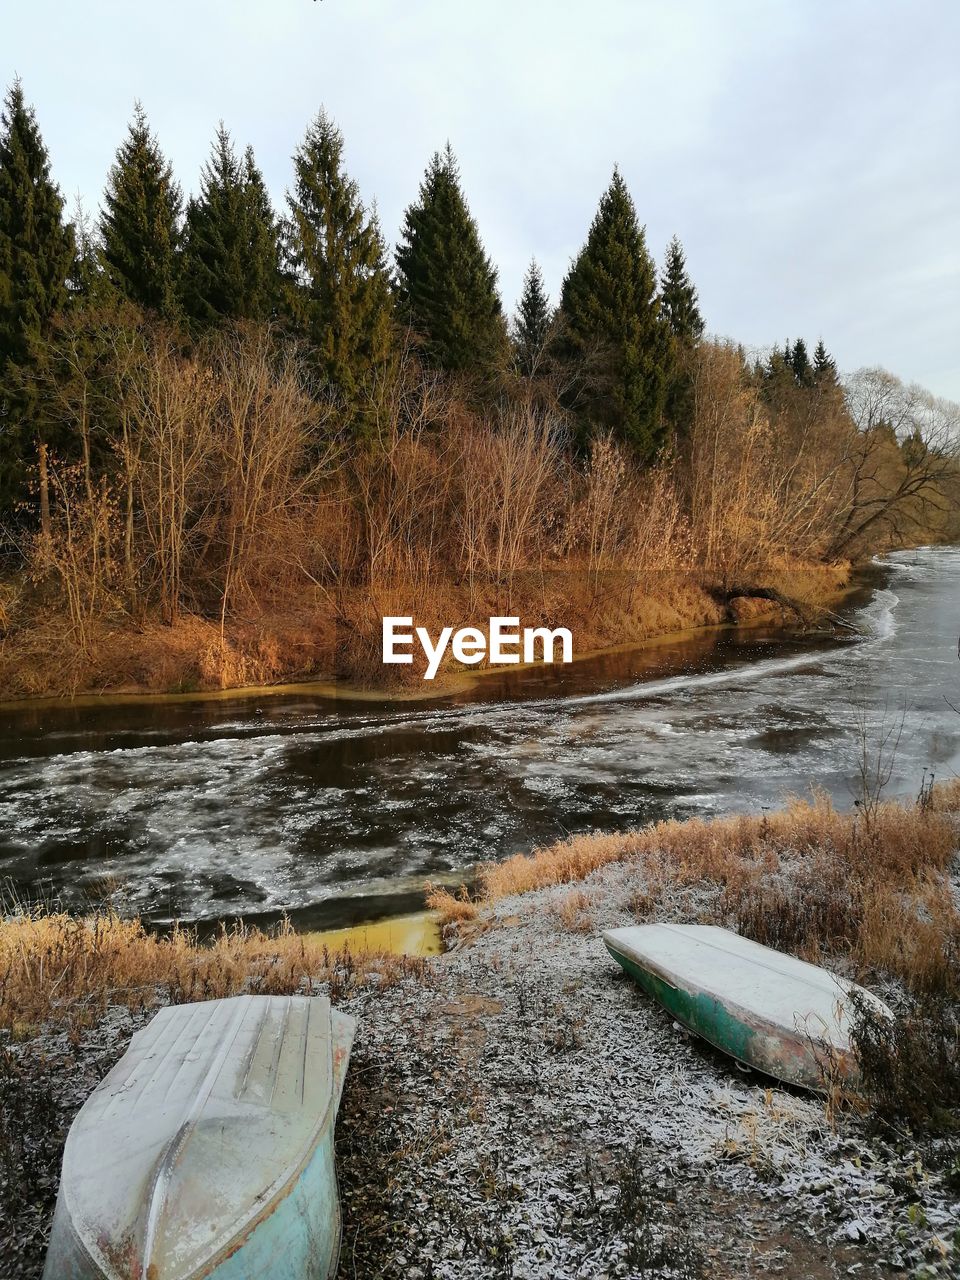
x=766 y=475
x=451 y=908
x=910 y=1074
x=574 y=913
x=56 y=968
x=214 y=485
x=807 y=879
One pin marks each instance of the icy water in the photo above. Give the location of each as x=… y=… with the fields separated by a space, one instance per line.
x=334 y=811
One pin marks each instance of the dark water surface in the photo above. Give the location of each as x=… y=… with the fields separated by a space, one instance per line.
x=333 y=810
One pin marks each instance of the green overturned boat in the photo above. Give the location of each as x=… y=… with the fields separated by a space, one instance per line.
x=208 y=1149
x=769 y=1011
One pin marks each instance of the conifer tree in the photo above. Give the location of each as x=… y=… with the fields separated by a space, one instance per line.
x=824 y=368
x=531 y=325
x=447 y=284
x=678 y=297
x=680 y=308
x=778 y=370
x=36 y=254
x=340 y=296
x=230 y=269
x=800 y=363
x=85 y=281
x=140 y=224
x=610 y=310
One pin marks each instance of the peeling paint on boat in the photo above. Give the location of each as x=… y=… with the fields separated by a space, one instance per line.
x=208 y=1150
x=769 y=1011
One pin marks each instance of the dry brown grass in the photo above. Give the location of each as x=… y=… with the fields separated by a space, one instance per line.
x=55 y=968
x=241 y=538
x=574 y=912
x=807 y=879
x=451 y=908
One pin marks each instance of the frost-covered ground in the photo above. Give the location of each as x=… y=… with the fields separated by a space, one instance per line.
x=523 y=1110
x=528 y=1112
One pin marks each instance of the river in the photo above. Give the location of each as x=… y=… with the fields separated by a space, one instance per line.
x=332 y=811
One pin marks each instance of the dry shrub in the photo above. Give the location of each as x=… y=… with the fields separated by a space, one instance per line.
x=808 y=879
x=10 y=593
x=615 y=515
x=913 y=933
x=802 y=913
x=907 y=840
x=562 y=863
x=237 y=494
x=75 y=556
x=944 y=797
x=451 y=908
x=217 y=481
x=507 y=495
x=768 y=480
x=57 y=968
x=642 y=904
x=910 y=1073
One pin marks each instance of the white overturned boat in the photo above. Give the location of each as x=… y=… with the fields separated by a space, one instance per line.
x=208 y=1149
x=768 y=1010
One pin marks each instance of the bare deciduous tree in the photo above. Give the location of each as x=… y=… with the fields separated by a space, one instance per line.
x=901 y=462
x=172 y=403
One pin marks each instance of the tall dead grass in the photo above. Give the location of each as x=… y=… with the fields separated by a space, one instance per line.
x=59 y=969
x=808 y=879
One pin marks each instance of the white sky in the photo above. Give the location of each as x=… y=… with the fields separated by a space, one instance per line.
x=805 y=151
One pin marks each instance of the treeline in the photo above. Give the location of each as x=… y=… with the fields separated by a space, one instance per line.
x=262 y=427
x=321 y=273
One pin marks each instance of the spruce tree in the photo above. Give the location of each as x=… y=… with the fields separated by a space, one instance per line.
x=679 y=304
x=36 y=255
x=680 y=308
x=800 y=363
x=824 y=368
x=230 y=267
x=611 y=315
x=140 y=224
x=85 y=282
x=340 y=295
x=531 y=325
x=447 y=284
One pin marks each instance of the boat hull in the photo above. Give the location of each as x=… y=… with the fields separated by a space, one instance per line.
x=208 y=1151
x=804 y=1050
x=298 y=1238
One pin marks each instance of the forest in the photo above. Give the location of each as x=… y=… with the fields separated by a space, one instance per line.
x=233 y=438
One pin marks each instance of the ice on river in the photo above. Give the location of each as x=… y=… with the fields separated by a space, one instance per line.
x=214 y=809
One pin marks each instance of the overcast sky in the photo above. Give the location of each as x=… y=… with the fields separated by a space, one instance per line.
x=806 y=152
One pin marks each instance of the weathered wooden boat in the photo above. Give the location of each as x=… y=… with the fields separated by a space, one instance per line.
x=208 y=1149
x=769 y=1011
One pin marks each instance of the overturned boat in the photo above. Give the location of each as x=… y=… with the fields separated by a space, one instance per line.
x=208 y=1149
x=769 y=1011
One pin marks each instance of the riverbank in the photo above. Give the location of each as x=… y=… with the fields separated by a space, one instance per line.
x=515 y=1106
x=452 y=681
x=313 y=653
x=329 y=813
